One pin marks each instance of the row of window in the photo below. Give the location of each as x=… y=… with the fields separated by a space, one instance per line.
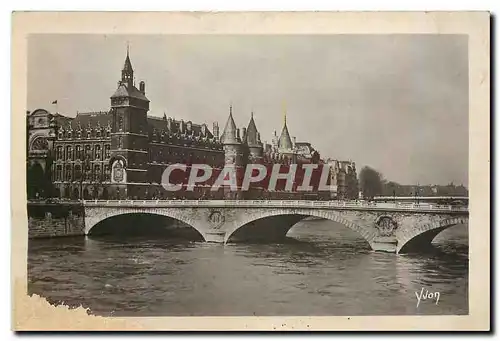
x=76 y=173
x=79 y=153
x=161 y=155
x=98 y=133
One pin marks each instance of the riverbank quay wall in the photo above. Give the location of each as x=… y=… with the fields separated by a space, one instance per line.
x=46 y=220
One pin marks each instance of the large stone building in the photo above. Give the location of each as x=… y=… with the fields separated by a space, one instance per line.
x=344 y=176
x=122 y=152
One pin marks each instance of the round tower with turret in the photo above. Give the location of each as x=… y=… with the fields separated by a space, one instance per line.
x=252 y=140
x=233 y=157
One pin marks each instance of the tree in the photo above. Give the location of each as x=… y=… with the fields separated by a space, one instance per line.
x=370 y=182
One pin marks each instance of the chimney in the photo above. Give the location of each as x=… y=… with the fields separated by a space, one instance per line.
x=294 y=141
x=243 y=133
x=142 y=87
x=238 y=133
x=216 y=130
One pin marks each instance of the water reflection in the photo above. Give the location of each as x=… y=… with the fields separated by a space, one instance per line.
x=323 y=269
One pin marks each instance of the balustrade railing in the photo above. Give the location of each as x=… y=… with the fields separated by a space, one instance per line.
x=280 y=203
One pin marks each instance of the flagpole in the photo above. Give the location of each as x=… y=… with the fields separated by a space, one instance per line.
x=56 y=103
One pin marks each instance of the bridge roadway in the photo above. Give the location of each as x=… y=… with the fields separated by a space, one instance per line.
x=391 y=227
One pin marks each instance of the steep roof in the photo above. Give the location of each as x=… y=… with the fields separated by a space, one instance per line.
x=128 y=65
x=285 y=142
x=162 y=124
x=92 y=119
x=252 y=133
x=229 y=134
x=129 y=91
x=62 y=120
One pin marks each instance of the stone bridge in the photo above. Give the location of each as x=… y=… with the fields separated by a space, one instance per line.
x=390 y=227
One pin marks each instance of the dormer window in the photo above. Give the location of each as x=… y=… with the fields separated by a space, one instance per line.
x=69 y=134
x=60 y=135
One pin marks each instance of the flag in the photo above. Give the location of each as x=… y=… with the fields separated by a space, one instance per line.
x=55 y=102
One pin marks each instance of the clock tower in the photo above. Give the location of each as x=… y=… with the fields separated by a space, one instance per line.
x=129 y=136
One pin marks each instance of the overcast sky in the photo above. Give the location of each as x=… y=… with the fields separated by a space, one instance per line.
x=398 y=103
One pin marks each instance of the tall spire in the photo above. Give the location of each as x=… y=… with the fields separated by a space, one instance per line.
x=252 y=138
x=285 y=142
x=229 y=136
x=127 y=71
x=284 y=113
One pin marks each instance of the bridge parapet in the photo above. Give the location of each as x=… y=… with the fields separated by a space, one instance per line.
x=336 y=205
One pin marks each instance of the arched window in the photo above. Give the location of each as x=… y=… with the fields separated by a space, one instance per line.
x=59 y=173
x=78 y=152
x=78 y=172
x=88 y=152
x=69 y=153
x=97 y=152
x=59 y=152
x=107 y=151
x=68 y=173
x=107 y=173
x=87 y=173
x=97 y=172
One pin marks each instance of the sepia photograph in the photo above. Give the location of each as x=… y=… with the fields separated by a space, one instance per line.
x=246 y=175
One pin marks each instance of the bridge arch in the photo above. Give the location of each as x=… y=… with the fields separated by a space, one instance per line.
x=99 y=215
x=364 y=228
x=411 y=239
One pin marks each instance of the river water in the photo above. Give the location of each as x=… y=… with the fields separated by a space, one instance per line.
x=324 y=269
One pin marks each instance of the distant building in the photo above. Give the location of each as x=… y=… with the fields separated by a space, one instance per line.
x=344 y=176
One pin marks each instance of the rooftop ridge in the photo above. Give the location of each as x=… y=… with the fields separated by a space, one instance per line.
x=88 y=113
x=174 y=120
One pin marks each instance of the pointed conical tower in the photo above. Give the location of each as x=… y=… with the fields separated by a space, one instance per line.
x=127 y=71
x=233 y=152
x=255 y=150
x=285 y=142
x=255 y=147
